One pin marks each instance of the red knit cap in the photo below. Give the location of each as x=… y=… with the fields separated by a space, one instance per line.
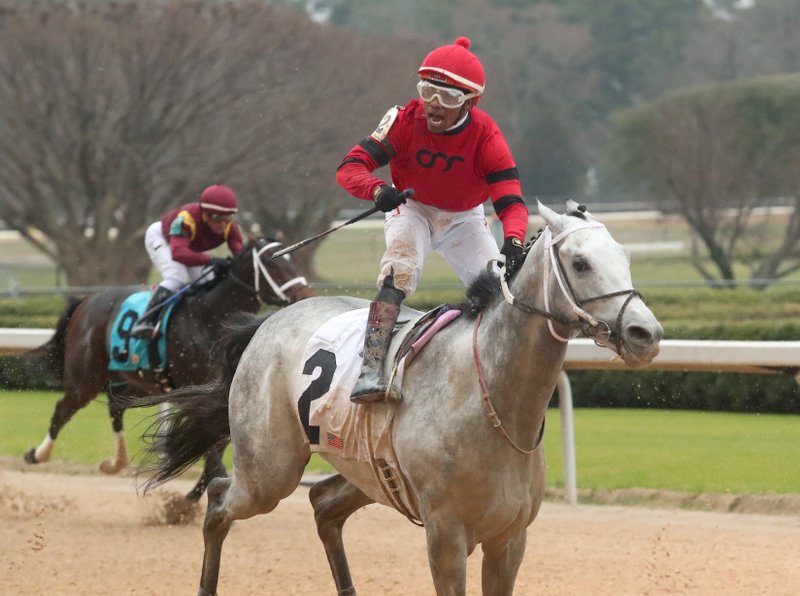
x=218 y=198
x=454 y=65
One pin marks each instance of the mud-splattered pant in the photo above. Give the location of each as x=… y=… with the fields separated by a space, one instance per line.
x=414 y=229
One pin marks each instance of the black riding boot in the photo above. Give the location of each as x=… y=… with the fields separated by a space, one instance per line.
x=383 y=312
x=146 y=325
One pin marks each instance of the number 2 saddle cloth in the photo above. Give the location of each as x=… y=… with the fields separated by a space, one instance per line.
x=330 y=368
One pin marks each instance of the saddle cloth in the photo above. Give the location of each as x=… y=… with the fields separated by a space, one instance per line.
x=331 y=365
x=131 y=354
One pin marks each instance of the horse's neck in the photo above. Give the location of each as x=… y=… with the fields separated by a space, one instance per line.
x=227 y=297
x=521 y=358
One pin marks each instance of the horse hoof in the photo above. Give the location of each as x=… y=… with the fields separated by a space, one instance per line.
x=110 y=468
x=30 y=456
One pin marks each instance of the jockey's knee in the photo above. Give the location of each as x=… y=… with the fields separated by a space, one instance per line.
x=399 y=278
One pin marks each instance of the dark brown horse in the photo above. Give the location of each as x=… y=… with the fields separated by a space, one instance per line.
x=81 y=350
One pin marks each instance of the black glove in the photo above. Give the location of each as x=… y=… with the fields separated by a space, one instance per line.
x=221 y=264
x=387 y=198
x=513 y=249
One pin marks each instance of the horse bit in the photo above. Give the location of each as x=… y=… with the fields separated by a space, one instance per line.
x=599 y=331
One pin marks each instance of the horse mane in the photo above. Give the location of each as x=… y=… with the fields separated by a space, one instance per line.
x=485 y=289
x=481 y=293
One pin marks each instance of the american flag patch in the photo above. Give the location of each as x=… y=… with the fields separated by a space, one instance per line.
x=335 y=441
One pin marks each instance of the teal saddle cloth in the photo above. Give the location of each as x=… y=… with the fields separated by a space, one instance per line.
x=129 y=354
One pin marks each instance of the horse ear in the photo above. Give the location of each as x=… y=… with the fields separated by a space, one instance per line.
x=550 y=217
x=574 y=208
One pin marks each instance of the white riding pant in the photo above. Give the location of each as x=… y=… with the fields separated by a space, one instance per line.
x=412 y=231
x=174 y=275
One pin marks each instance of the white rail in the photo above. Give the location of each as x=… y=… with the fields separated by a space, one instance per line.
x=18 y=340
x=583 y=354
x=675 y=354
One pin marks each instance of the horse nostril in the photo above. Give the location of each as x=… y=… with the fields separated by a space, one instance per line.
x=639 y=335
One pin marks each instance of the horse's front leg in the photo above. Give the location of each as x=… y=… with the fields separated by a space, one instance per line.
x=500 y=565
x=120 y=460
x=447 y=555
x=334 y=500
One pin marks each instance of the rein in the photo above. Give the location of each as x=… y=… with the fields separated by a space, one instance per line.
x=591 y=327
x=487 y=401
x=260 y=270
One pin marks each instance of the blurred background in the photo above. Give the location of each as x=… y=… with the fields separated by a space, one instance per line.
x=116 y=111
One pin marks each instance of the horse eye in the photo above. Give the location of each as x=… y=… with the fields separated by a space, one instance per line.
x=581 y=265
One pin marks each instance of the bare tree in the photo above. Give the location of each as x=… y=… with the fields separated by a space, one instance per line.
x=719 y=153
x=114 y=112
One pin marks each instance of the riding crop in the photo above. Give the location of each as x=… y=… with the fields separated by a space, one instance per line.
x=407 y=193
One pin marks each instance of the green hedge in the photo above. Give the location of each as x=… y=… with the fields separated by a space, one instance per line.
x=727 y=392
x=686 y=313
x=33 y=312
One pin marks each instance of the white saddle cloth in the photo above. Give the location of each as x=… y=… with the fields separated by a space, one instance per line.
x=340 y=421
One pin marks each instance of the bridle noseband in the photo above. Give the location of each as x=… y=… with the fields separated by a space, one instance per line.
x=260 y=270
x=588 y=324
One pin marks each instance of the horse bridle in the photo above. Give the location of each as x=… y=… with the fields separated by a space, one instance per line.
x=260 y=270
x=599 y=331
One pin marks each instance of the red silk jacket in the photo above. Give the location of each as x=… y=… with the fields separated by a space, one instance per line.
x=456 y=171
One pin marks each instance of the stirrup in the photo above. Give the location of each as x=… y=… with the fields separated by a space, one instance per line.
x=369 y=397
x=379 y=393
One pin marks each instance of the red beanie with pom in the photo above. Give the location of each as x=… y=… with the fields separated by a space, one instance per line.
x=454 y=65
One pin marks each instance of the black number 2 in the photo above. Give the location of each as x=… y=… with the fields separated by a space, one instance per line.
x=326 y=362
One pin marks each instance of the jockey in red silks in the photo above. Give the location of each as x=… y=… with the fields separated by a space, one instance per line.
x=177 y=243
x=455 y=158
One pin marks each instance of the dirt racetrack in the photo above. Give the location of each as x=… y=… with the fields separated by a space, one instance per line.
x=89 y=534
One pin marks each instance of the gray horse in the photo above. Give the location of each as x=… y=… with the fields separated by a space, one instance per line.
x=465 y=439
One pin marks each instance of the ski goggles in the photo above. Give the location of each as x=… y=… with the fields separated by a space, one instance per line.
x=448 y=97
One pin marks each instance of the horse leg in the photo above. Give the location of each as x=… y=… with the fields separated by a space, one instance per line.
x=213 y=468
x=229 y=500
x=216 y=526
x=72 y=401
x=500 y=565
x=120 y=459
x=447 y=555
x=334 y=500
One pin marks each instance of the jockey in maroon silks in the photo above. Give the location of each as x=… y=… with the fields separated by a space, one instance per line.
x=455 y=158
x=177 y=243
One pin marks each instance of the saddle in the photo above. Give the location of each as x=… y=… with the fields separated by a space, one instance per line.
x=411 y=334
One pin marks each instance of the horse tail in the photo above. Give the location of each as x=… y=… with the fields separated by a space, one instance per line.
x=42 y=366
x=56 y=346
x=198 y=421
